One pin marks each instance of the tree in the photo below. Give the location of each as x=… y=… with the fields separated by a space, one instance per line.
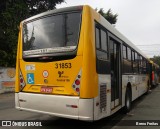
x=109 y=16
x=156 y=59
x=38 y=6
x=12 y=12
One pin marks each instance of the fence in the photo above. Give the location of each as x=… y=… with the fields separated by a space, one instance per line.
x=7 y=79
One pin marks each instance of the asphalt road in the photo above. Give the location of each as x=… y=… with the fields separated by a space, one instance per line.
x=147 y=107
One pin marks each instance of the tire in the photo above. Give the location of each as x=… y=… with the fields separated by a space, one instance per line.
x=128 y=100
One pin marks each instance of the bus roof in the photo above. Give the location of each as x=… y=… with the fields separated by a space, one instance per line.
x=50 y=12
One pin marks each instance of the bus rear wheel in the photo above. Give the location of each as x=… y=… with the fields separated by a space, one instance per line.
x=128 y=100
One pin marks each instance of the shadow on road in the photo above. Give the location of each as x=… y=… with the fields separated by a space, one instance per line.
x=62 y=123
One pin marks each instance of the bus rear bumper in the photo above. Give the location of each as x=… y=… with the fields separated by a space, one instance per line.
x=61 y=106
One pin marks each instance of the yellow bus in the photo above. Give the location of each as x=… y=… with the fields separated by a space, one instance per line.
x=72 y=63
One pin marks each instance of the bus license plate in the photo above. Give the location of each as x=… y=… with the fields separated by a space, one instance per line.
x=46 y=89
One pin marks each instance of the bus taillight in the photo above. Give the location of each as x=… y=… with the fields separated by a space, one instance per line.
x=21 y=80
x=74 y=106
x=76 y=84
x=77 y=89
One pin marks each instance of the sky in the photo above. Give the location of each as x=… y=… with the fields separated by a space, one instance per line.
x=138 y=20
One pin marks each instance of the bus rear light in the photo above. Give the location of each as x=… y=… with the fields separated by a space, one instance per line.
x=77 y=89
x=22 y=82
x=72 y=106
x=76 y=84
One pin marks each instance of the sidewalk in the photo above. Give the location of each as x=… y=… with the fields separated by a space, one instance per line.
x=146 y=108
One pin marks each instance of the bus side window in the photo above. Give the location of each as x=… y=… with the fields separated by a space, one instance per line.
x=133 y=62
x=136 y=63
x=124 y=52
x=103 y=40
x=133 y=56
x=102 y=62
x=129 y=61
x=129 y=53
x=140 y=65
x=144 y=66
x=97 y=38
x=124 y=59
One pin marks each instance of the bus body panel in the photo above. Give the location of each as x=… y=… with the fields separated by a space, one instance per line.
x=60 y=76
x=49 y=104
x=89 y=84
x=105 y=111
x=86 y=109
x=143 y=84
x=62 y=106
x=138 y=83
x=18 y=58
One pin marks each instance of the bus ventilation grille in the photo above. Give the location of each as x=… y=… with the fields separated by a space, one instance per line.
x=103 y=97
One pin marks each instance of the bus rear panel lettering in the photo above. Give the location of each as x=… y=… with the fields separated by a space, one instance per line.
x=63 y=65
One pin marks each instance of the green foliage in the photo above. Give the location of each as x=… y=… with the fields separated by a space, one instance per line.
x=156 y=59
x=109 y=16
x=12 y=13
x=38 y=6
x=10 y=18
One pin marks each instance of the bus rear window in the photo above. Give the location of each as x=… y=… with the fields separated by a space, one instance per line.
x=52 y=34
